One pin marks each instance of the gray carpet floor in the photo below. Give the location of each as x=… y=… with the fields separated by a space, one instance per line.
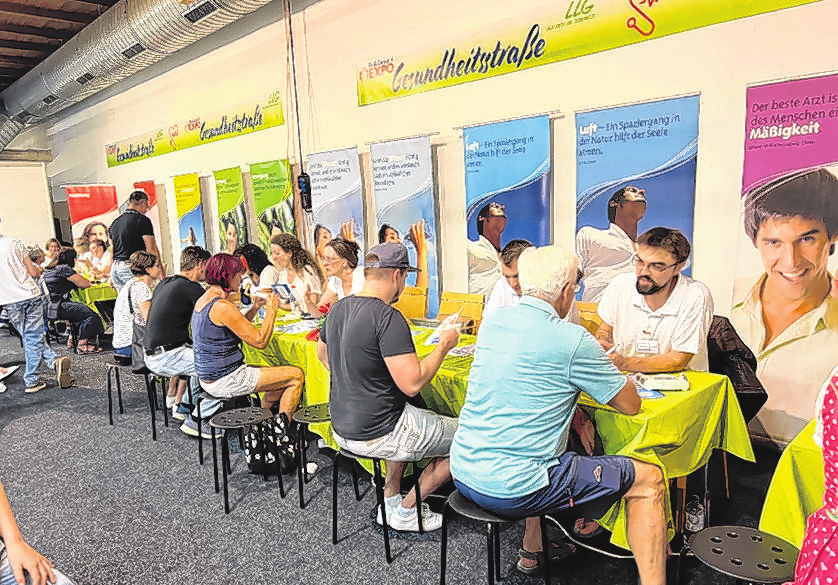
x=110 y=506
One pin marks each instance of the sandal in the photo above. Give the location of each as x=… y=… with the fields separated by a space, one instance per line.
x=561 y=551
x=88 y=348
x=582 y=528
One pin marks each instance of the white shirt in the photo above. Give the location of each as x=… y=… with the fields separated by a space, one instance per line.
x=123 y=329
x=98 y=263
x=308 y=280
x=15 y=282
x=793 y=367
x=335 y=284
x=269 y=277
x=603 y=254
x=502 y=296
x=483 y=266
x=681 y=324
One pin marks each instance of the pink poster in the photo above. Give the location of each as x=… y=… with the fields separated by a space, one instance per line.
x=781 y=306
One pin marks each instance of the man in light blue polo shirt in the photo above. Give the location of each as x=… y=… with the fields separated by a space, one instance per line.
x=508 y=454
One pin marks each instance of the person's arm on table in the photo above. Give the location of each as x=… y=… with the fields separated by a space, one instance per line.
x=626 y=400
x=79 y=280
x=258 y=303
x=225 y=313
x=671 y=361
x=410 y=374
x=21 y=555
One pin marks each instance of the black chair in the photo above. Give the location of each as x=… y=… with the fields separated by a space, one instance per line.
x=304 y=416
x=464 y=507
x=113 y=377
x=151 y=380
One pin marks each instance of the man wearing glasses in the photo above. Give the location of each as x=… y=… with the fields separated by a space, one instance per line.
x=484 y=267
x=604 y=254
x=657 y=319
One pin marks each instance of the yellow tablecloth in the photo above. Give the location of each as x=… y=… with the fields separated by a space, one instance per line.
x=96 y=292
x=677 y=432
x=796 y=489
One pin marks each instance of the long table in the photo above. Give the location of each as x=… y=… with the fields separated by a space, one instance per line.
x=796 y=489
x=97 y=292
x=677 y=432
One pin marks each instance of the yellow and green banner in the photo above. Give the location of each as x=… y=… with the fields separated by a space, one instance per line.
x=546 y=36
x=231 y=208
x=246 y=117
x=273 y=199
x=190 y=213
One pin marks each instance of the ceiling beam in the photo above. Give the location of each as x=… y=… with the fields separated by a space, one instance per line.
x=60 y=15
x=99 y=2
x=27 y=46
x=53 y=34
x=15 y=62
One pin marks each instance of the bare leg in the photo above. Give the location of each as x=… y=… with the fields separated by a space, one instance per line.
x=646 y=523
x=394 y=470
x=283 y=384
x=181 y=388
x=172 y=391
x=433 y=476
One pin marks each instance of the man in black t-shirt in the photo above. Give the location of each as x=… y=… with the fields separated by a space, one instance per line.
x=374 y=368
x=131 y=232
x=168 y=346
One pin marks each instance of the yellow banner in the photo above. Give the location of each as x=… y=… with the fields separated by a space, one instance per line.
x=583 y=28
x=243 y=118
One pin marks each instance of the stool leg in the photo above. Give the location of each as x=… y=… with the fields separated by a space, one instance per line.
x=275 y=444
x=261 y=438
x=379 y=492
x=335 y=499
x=151 y=394
x=490 y=550
x=214 y=463
x=546 y=545
x=225 y=463
x=110 y=397
x=164 y=390
x=497 y=553
x=200 y=439
x=301 y=463
x=707 y=492
x=418 y=500
x=355 y=482
x=119 y=391
x=443 y=547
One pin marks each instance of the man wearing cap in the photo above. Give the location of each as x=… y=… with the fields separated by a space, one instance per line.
x=484 y=266
x=368 y=347
x=604 y=254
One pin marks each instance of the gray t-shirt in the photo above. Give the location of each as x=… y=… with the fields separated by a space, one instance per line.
x=360 y=332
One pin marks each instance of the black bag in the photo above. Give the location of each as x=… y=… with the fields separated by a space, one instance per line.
x=281 y=440
x=137 y=350
x=53 y=307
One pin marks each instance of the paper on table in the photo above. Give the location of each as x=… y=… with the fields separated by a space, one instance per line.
x=450 y=322
x=298 y=327
x=463 y=351
x=663 y=382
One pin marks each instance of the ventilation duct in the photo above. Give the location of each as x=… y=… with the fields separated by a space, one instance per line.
x=129 y=37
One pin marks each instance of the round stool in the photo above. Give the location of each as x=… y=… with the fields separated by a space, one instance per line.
x=306 y=415
x=465 y=507
x=745 y=553
x=239 y=418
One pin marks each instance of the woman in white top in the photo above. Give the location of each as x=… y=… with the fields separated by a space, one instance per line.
x=146 y=269
x=98 y=259
x=299 y=270
x=340 y=259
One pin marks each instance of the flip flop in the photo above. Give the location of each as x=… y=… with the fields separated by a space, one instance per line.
x=581 y=532
x=88 y=348
x=9 y=371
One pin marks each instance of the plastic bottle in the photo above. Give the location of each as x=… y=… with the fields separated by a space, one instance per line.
x=694 y=515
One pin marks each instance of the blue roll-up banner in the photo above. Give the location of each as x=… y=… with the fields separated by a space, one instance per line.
x=509 y=163
x=336 y=194
x=403 y=196
x=651 y=146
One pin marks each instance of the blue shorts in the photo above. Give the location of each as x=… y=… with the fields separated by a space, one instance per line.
x=589 y=485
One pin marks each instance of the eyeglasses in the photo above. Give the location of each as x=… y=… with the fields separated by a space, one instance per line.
x=652 y=266
x=633 y=189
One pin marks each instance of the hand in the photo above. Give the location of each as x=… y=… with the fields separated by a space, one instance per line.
x=604 y=344
x=416 y=233
x=271 y=302
x=347 y=230
x=24 y=557
x=448 y=338
x=258 y=301
x=620 y=361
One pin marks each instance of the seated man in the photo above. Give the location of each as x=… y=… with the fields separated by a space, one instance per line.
x=657 y=319
x=508 y=454
x=507 y=290
x=367 y=345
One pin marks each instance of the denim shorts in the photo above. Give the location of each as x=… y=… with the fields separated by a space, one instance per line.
x=240 y=382
x=589 y=485
x=418 y=434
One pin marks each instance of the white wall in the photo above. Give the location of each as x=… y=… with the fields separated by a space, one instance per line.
x=333 y=36
x=27 y=209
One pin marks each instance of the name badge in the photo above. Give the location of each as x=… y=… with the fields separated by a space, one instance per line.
x=647 y=346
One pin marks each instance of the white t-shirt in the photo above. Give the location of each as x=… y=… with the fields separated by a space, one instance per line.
x=123 y=330
x=98 y=263
x=306 y=280
x=502 y=295
x=681 y=324
x=483 y=266
x=15 y=282
x=603 y=254
x=269 y=276
x=335 y=284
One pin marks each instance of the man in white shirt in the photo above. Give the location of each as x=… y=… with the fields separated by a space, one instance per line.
x=604 y=254
x=21 y=296
x=657 y=319
x=507 y=290
x=484 y=265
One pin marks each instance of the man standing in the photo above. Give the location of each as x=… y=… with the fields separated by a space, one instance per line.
x=168 y=346
x=484 y=267
x=374 y=369
x=604 y=254
x=657 y=319
x=131 y=232
x=788 y=318
x=21 y=296
x=508 y=454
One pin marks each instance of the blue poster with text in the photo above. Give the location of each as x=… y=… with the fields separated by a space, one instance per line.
x=336 y=190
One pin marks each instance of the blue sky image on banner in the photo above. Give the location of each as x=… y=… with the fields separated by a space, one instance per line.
x=336 y=190
x=509 y=163
x=404 y=195
x=191 y=228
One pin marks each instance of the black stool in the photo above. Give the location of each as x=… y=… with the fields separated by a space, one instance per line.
x=378 y=479
x=151 y=381
x=225 y=402
x=240 y=418
x=113 y=372
x=306 y=415
x=743 y=553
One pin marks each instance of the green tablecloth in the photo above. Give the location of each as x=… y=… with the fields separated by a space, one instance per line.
x=796 y=489
x=677 y=432
x=96 y=292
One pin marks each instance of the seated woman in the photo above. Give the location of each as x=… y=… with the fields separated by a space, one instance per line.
x=146 y=269
x=100 y=259
x=60 y=280
x=340 y=259
x=298 y=269
x=256 y=264
x=53 y=247
x=219 y=328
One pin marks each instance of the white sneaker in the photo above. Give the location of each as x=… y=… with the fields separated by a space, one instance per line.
x=390 y=511
x=430 y=520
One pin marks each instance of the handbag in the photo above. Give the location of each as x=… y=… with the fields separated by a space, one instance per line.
x=137 y=350
x=276 y=438
x=53 y=307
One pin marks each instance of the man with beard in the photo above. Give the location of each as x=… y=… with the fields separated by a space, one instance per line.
x=656 y=320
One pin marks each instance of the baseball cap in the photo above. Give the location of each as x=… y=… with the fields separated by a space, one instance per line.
x=390 y=255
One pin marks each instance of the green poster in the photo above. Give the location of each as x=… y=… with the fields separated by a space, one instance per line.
x=273 y=199
x=231 y=209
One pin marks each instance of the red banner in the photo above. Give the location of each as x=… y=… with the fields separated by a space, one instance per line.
x=92 y=207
